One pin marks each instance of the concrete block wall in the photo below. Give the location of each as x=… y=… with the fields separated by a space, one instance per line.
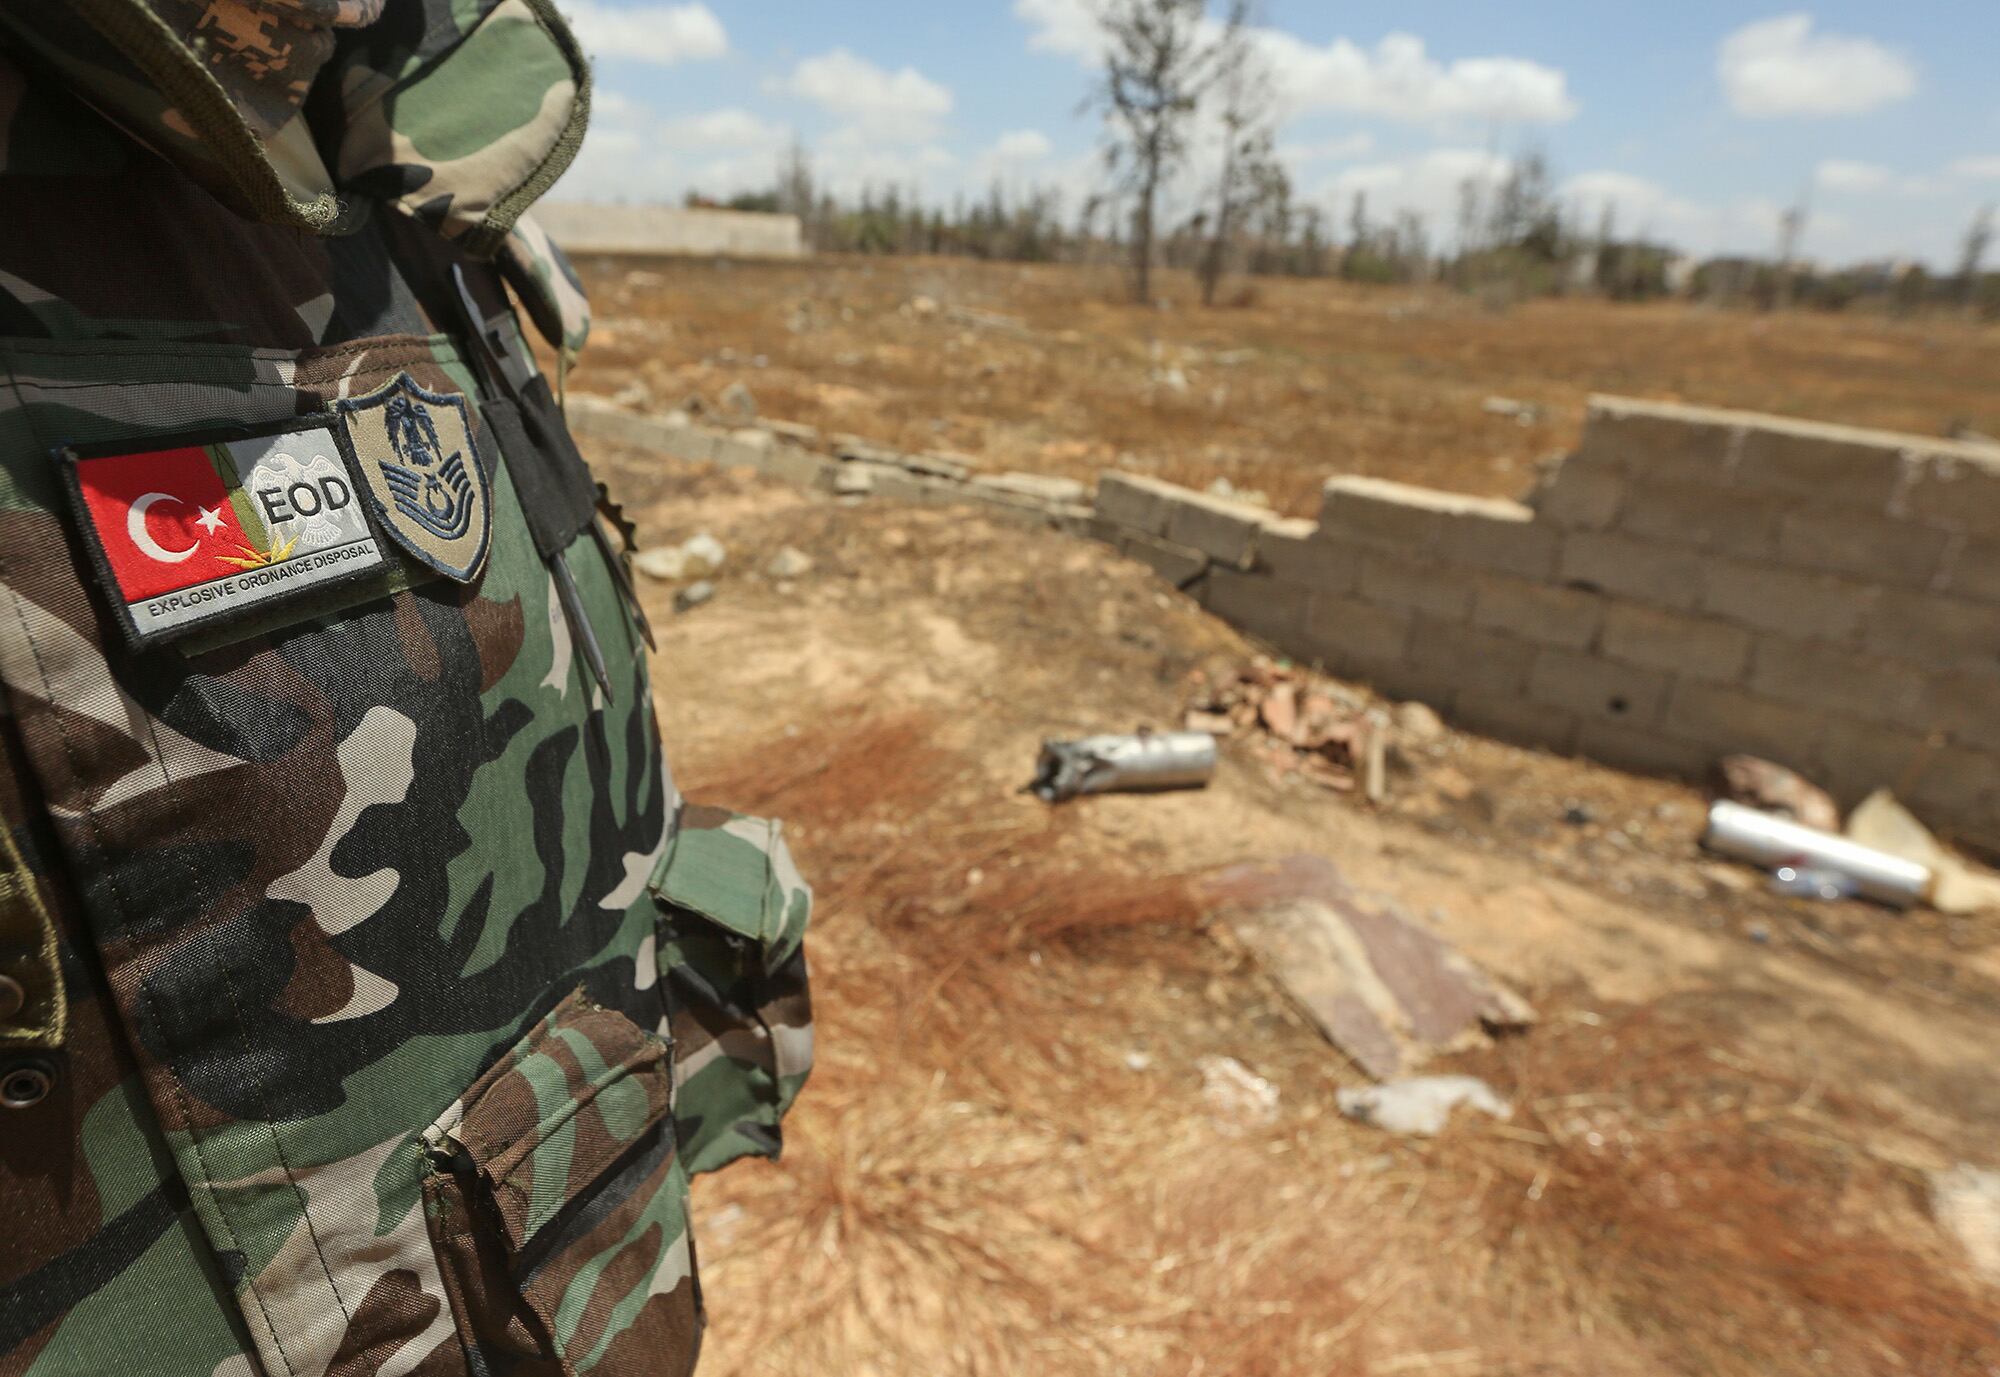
x=1688 y=583
x=671 y=230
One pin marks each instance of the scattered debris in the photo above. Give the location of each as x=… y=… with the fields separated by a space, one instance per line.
x=1771 y=788
x=1142 y=762
x=1957 y=886
x=1311 y=726
x=1416 y=721
x=1421 y=1106
x=1172 y=379
x=1520 y=413
x=1242 y=1098
x=1577 y=814
x=1383 y=990
x=921 y=306
x=1781 y=844
x=693 y=596
x=695 y=557
x=737 y=404
x=1965 y=1201
x=1223 y=488
x=853 y=480
x=789 y=563
x=634 y=394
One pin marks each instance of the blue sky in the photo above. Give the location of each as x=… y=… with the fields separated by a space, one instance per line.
x=1697 y=122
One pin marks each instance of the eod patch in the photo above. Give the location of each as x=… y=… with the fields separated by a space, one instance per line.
x=190 y=531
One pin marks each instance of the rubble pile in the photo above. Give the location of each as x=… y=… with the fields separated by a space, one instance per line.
x=1298 y=722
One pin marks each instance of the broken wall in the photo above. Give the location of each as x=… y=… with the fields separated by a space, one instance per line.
x=1689 y=583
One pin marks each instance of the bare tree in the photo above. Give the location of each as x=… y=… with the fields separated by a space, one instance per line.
x=1978 y=235
x=795 y=190
x=1159 y=61
x=1250 y=170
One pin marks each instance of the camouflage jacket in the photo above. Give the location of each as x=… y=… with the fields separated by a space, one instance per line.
x=368 y=992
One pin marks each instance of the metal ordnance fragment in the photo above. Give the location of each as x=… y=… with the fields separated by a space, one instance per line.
x=1111 y=764
x=1771 y=842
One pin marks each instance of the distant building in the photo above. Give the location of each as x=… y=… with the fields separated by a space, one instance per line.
x=671 y=230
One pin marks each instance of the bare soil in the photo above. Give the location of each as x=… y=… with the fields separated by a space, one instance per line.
x=1051 y=369
x=1005 y=1162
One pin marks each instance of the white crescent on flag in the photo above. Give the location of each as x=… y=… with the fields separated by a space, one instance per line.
x=135 y=526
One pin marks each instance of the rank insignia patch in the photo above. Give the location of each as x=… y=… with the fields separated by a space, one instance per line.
x=188 y=532
x=414 y=454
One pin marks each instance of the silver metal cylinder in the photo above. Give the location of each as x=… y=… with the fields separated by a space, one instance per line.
x=1111 y=764
x=1772 y=842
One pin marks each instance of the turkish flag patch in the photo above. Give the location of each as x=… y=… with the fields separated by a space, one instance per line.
x=191 y=531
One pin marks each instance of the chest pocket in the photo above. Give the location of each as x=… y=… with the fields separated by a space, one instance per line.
x=558 y=1207
x=733 y=915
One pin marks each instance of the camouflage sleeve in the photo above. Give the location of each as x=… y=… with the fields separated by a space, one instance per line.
x=540 y=274
x=732 y=954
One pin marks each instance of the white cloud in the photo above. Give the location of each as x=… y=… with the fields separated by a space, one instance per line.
x=1781 y=67
x=903 y=104
x=1357 y=145
x=1062 y=26
x=633 y=154
x=1842 y=174
x=1982 y=168
x=1427 y=184
x=1397 y=79
x=1021 y=146
x=659 y=34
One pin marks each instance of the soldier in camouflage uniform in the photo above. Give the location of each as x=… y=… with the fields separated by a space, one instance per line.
x=368 y=993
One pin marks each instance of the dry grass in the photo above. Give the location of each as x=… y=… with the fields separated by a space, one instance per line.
x=1048 y=368
x=980 y=1181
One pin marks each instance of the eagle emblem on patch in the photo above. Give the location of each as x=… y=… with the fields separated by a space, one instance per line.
x=414 y=452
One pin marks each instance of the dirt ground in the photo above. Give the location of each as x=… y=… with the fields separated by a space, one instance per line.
x=1005 y=1162
x=1050 y=369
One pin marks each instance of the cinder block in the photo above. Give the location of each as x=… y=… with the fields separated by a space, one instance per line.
x=1593 y=687
x=1404 y=680
x=1704 y=514
x=1384 y=515
x=1935 y=632
x=1957 y=787
x=1039 y=487
x=1965 y=705
x=1835 y=678
x=1508 y=541
x=1224 y=530
x=1676 y=642
x=1346 y=632
x=1274 y=609
x=1648 y=751
x=1470 y=658
x=1584 y=493
x=1808 y=606
x=1857 y=758
x=1135 y=502
x=1293 y=550
x=1972 y=568
x=1662 y=439
x=1956 y=487
x=1664 y=575
x=1177 y=564
x=689 y=444
x=1439 y=589
x=1537 y=612
x=1837 y=466
x=1731 y=719
x=1846 y=541
x=790 y=464
x=738 y=450
x=1513 y=719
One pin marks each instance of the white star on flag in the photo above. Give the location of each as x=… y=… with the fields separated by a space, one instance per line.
x=210 y=519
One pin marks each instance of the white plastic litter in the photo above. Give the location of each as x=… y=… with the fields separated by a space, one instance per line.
x=1420 y=1106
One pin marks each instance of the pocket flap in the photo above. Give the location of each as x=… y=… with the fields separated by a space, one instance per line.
x=737 y=872
x=557 y=1112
